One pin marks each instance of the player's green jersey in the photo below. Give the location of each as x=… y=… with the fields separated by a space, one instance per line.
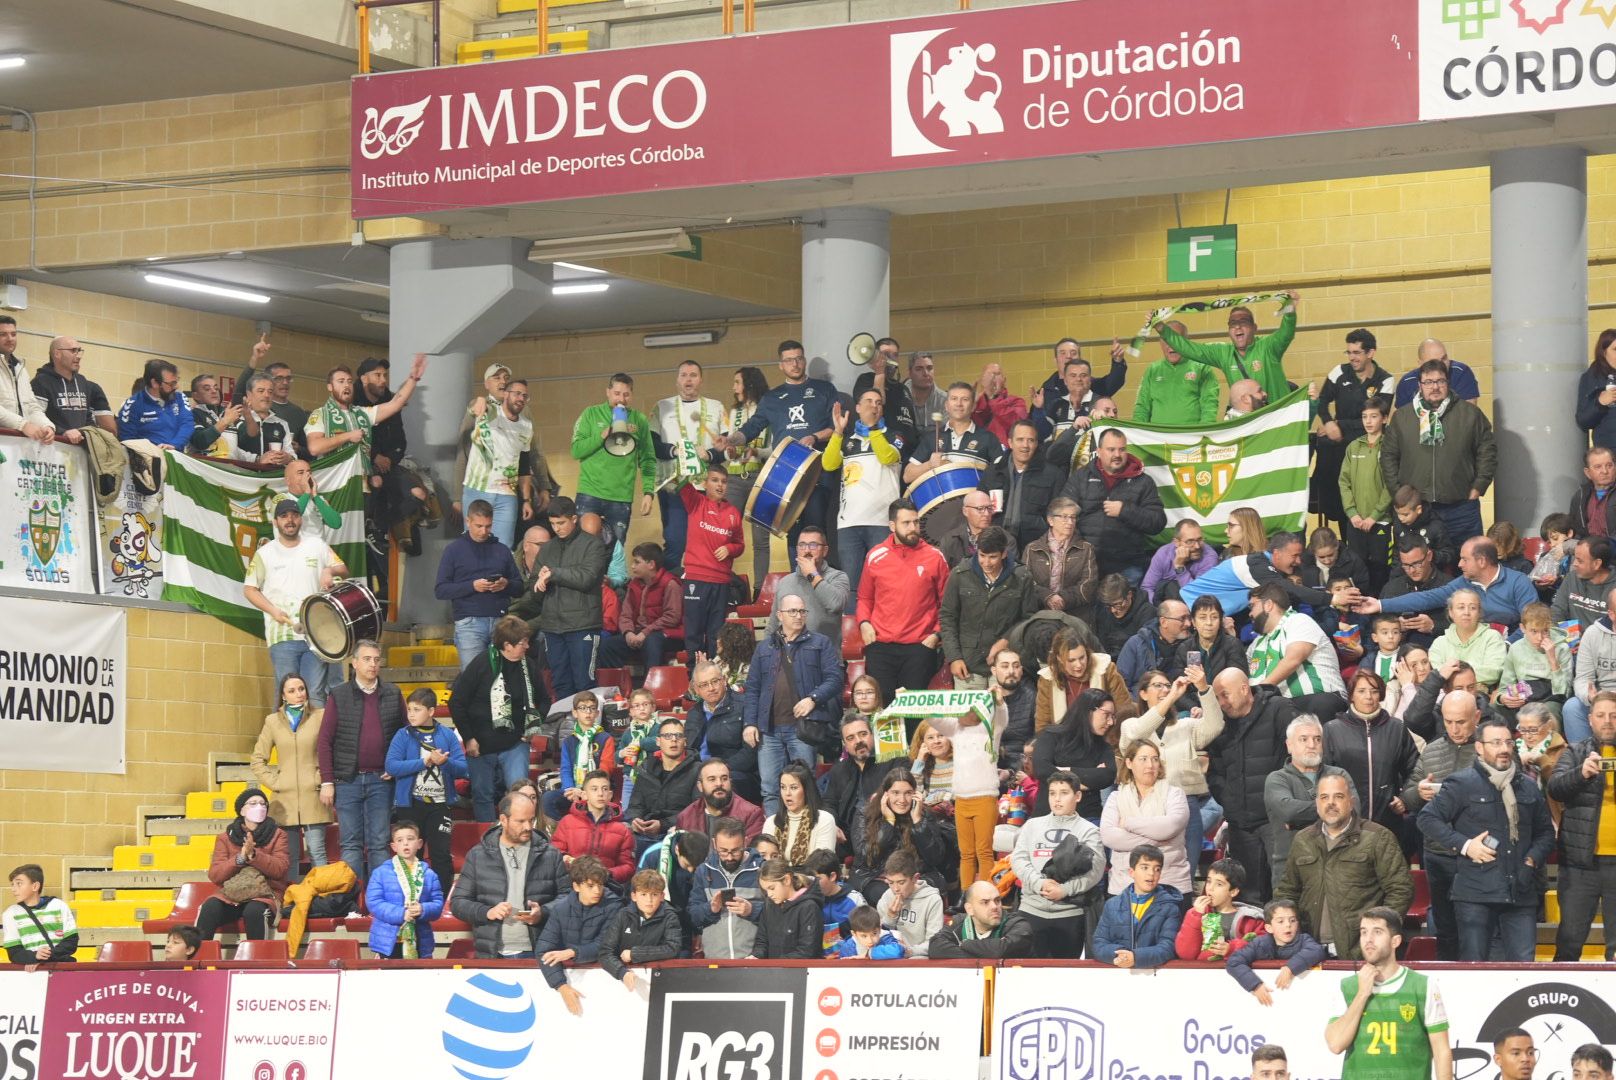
x=1393 y=1040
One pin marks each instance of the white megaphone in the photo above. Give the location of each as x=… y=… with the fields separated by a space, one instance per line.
x=621 y=438
x=861 y=349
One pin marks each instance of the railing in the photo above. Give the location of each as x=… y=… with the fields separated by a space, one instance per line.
x=363 y=8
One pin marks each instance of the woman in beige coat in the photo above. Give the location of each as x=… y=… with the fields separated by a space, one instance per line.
x=292 y=732
x=1079 y=670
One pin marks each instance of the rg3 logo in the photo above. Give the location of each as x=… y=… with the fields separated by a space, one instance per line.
x=729 y=1056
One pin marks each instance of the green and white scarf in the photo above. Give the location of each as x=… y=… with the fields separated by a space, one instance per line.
x=1162 y=314
x=499 y=699
x=1431 y=430
x=584 y=762
x=334 y=419
x=929 y=703
x=411 y=880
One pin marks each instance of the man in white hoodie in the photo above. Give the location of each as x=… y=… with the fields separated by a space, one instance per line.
x=911 y=907
x=1596 y=671
x=1055 y=907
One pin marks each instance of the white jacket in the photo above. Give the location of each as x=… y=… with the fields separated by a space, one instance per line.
x=1160 y=819
x=18 y=405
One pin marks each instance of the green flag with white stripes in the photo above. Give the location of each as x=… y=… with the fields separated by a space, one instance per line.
x=1203 y=472
x=215 y=515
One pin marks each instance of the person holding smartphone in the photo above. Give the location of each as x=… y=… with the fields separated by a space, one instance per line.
x=478 y=575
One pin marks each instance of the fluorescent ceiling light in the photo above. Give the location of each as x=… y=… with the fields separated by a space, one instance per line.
x=569 y=290
x=205 y=287
x=605 y=246
x=12 y=62
x=682 y=337
x=579 y=269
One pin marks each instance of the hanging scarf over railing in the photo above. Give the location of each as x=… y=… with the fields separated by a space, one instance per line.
x=586 y=759
x=1162 y=314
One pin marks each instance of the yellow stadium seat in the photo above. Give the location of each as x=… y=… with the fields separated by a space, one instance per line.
x=120 y=912
x=192 y=853
x=514 y=48
x=428 y=654
x=1551 y=906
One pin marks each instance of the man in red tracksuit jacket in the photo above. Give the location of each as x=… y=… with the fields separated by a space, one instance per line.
x=713 y=542
x=900 y=596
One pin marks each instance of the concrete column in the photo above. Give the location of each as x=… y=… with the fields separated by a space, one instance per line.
x=846 y=286
x=1540 y=327
x=453 y=300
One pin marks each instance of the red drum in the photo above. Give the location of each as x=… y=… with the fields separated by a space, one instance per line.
x=335 y=621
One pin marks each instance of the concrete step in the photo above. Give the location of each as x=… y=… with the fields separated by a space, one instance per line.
x=184 y=826
x=130 y=879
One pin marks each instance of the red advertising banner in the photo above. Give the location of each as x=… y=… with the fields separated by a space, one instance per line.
x=156 y=1025
x=1011 y=84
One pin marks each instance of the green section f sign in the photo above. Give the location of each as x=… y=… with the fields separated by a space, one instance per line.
x=1203 y=254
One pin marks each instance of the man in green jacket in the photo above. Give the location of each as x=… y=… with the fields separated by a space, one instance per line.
x=1245 y=355
x=1341 y=867
x=606 y=481
x=1175 y=392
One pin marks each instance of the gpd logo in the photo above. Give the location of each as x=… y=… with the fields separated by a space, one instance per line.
x=1051 y=1043
x=941 y=94
x=716 y=1036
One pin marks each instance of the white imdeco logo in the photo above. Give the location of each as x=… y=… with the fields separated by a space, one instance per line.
x=945 y=92
x=392 y=131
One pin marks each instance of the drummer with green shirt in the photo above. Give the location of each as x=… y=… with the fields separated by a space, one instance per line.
x=606 y=481
x=1244 y=355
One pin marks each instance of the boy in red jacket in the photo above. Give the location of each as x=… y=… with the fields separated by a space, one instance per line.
x=651 y=624
x=713 y=542
x=1215 y=925
x=592 y=827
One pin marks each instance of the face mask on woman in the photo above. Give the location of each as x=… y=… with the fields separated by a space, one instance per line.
x=255 y=813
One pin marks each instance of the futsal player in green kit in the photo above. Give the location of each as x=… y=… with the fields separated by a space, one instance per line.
x=1394 y=1026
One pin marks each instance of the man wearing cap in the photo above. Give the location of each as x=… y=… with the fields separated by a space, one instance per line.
x=608 y=464
x=500 y=435
x=283 y=573
x=1244 y=355
x=396 y=494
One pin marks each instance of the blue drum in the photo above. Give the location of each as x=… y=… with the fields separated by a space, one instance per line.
x=783 y=486
x=939 y=495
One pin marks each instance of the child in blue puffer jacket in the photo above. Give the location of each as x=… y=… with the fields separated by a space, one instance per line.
x=1138 y=925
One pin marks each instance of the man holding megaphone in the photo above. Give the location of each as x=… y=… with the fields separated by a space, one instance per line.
x=612 y=444
x=898 y=410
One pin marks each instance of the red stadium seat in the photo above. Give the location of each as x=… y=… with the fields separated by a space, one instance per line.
x=332 y=949
x=943 y=680
x=1421 y=907
x=1532 y=547
x=852 y=640
x=466 y=835
x=208 y=953
x=855 y=668
x=667 y=684
x=186 y=906
x=272 y=949
x=1422 y=947
x=615 y=676
x=462 y=949
x=765 y=598
x=124 y=952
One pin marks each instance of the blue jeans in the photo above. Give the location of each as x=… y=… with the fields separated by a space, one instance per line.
x=472 y=636
x=297 y=838
x=364 y=810
x=854 y=542
x=572 y=660
x=675 y=524
x=615 y=513
x=492 y=775
x=616 y=653
x=287 y=657
x=775 y=749
x=1463 y=519
x=1195 y=831
x=1574 y=720
x=1515 y=924
x=507 y=508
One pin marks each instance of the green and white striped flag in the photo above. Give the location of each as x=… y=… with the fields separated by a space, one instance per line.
x=1204 y=472
x=215 y=515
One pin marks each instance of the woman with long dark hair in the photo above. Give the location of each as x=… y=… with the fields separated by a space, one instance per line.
x=1596 y=393
x=801 y=825
x=745 y=460
x=292 y=735
x=1080 y=745
x=895 y=819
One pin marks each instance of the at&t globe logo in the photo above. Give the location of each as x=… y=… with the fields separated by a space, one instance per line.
x=488 y=1028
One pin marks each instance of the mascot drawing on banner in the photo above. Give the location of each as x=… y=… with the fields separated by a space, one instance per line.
x=949 y=87
x=134 y=555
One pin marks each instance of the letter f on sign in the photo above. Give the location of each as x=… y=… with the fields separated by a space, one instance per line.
x=1200 y=246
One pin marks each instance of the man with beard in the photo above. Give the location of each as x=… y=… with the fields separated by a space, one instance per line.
x=1021 y=484
x=1244 y=355
x=1020 y=698
x=1394 y=1025
x=500 y=436
x=726 y=900
x=1291 y=652
x=1119 y=509
x=663 y=786
x=1417 y=572
x=72 y=402
x=158 y=412
x=716 y=800
x=19 y=407
x=717 y=729
x=340 y=421
x=899 y=605
x=507 y=881
x=930 y=399
x=1584 y=784
x=1245 y=398
x=1346 y=390
x=320 y=518
x=1290 y=792
x=283 y=573
x=396 y=494
x=1341 y=866
x=1493 y=813
x=1443 y=445
x=852 y=780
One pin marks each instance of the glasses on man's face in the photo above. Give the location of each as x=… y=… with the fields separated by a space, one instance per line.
x=1062 y=517
x=794 y=611
x=1409 y=564
x=73 y=352
x=1433 y=383
x=809 y=545
x=280 y=378
x=980 y=508
x=1495 y=742
x=673 y=736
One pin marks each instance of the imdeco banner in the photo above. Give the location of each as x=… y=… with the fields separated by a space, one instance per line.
x=63 y=686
